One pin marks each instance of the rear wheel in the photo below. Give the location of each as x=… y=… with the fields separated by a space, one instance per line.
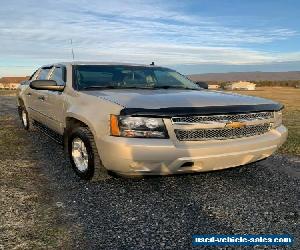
x=84 y=155
x=24 y=117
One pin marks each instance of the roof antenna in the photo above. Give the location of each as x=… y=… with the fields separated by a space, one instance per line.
x=152 y=64
x=72 y=49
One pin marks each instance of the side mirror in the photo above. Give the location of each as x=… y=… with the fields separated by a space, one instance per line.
x=46 y=85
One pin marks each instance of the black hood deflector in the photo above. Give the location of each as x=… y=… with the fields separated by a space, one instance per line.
x=211 y=110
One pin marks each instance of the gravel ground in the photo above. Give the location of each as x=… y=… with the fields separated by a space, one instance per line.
x=154 y=212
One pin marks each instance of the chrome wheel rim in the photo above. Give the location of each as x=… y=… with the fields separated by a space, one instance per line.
x=79 y=154
x=24 y=118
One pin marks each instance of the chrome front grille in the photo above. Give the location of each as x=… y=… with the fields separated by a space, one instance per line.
x=223 y=118
x=222 y=127
x=221 y=133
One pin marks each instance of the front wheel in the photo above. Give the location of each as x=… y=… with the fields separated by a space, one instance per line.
x=84 y=155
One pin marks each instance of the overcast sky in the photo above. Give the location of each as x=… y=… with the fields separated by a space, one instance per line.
x=191 y=36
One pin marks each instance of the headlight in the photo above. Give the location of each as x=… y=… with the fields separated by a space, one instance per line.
x=145 y=127
x=277 y=119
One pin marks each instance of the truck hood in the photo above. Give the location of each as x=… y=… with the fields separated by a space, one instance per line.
x=166 y=99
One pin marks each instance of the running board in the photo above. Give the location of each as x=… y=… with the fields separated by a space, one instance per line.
x=49 y=132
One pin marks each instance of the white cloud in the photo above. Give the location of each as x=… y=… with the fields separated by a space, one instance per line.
x=137 y=31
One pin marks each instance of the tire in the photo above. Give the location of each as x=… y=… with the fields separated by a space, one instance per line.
x=24 y=117
x=85 y=159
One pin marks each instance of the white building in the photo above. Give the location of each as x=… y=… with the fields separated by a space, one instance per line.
x=13 y=85
x=9 y=85
x=241 y=85
x=213 y=86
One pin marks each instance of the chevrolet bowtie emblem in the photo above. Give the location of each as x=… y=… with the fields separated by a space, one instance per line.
x=235 y=125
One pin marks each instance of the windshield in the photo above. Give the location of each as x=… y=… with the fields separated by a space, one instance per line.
x=119 y=76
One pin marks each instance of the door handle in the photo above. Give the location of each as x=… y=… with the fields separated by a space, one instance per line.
x=42 y=98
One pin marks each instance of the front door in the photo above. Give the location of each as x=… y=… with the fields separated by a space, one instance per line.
x=36 y=97
x=53 y=102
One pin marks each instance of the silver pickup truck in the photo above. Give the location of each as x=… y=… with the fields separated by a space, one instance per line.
x=146 y=120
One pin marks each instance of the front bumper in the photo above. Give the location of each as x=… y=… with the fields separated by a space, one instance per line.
x=136 y=156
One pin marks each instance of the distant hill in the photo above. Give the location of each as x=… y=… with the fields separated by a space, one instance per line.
x=13 y=79
x=247 y=76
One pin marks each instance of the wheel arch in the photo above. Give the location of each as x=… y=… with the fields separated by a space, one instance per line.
x=74 y=121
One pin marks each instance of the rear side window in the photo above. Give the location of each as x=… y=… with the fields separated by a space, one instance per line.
x=43 y=74
x=57 y=75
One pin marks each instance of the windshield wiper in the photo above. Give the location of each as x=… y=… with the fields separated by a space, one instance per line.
x=115 y=87
x=138 y=87
x=173 y=87
x=99 y=87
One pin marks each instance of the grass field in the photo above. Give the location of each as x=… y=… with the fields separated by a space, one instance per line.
x=7 y=92
x=290 y=97
x=29 y=218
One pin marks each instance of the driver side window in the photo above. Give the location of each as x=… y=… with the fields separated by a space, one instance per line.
x=35 y=75
x=57 y=75
x=43 y=74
